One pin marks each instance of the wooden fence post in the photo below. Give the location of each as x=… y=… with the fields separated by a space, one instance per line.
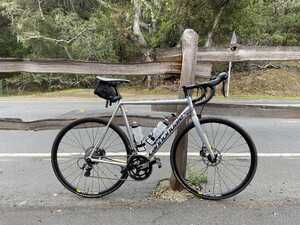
x=189 y=42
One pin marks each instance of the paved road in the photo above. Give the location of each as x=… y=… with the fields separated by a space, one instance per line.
x=30 y=194
x=49 y=108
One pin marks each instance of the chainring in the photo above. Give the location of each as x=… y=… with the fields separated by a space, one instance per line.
x=139 y=167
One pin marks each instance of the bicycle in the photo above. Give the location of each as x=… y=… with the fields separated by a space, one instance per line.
x=92 y=157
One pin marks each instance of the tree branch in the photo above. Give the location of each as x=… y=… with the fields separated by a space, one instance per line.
x=41 y=10
x=61 y=42
x=30 y=36
x=215 y=24
x=136 y=23
x=152 y=12
x=57 y=41
x=79 y=35
x=67 y=51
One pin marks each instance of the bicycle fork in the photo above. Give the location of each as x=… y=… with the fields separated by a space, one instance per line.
x=199 y=129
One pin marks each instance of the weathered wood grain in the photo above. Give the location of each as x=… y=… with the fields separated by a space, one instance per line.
x=236 y=54
x=248 y=54
x=81 y=67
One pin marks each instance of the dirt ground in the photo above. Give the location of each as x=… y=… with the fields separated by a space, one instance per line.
x=269 y=82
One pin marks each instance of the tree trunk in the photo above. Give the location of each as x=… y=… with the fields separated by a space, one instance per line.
x=213 y=29
x=136 y=24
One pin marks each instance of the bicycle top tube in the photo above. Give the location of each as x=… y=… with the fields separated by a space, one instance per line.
x=156 y=102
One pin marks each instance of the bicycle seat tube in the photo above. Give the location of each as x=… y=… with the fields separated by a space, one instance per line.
x=100 y=140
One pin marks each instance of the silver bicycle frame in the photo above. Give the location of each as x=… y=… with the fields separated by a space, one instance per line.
x=189 y=110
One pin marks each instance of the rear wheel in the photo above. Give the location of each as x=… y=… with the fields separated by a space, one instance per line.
x=228 y=172
x=70 y=152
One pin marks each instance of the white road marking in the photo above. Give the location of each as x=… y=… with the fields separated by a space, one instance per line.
x=48 y=155
x=292 y=121
x=52 y=100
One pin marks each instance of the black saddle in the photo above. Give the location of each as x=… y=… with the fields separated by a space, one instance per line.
x=107 y=88
x=112 y=81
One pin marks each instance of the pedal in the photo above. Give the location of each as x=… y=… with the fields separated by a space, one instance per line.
x=156 y=161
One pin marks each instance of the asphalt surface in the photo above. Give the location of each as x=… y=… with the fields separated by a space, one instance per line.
x=30 y=193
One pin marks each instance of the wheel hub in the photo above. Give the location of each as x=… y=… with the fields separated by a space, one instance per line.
x=208 y=160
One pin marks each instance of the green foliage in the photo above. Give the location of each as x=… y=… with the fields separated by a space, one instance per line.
x=9 y=46
x=257 y=22
x=268 y=23
x=196 y=178
x=58 y=33
x=103 y=29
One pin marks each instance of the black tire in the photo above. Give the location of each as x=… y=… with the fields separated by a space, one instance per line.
x=197 y=179
x=81 y=136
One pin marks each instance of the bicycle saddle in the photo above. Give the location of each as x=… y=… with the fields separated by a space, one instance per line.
x=112 y=81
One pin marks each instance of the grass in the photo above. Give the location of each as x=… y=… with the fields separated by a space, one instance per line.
x=196 y=178
x=127 y=92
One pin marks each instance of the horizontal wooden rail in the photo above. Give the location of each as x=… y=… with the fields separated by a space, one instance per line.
x=236 y=54
x=249 y=54
x=81 y=67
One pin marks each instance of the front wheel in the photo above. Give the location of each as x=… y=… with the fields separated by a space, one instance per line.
x=76 y=172
x=228 y=172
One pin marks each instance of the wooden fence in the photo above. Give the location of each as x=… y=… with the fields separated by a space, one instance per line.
x=167 y=61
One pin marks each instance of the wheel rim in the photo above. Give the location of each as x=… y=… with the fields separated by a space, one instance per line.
x=81 y=176
x=233 y=167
